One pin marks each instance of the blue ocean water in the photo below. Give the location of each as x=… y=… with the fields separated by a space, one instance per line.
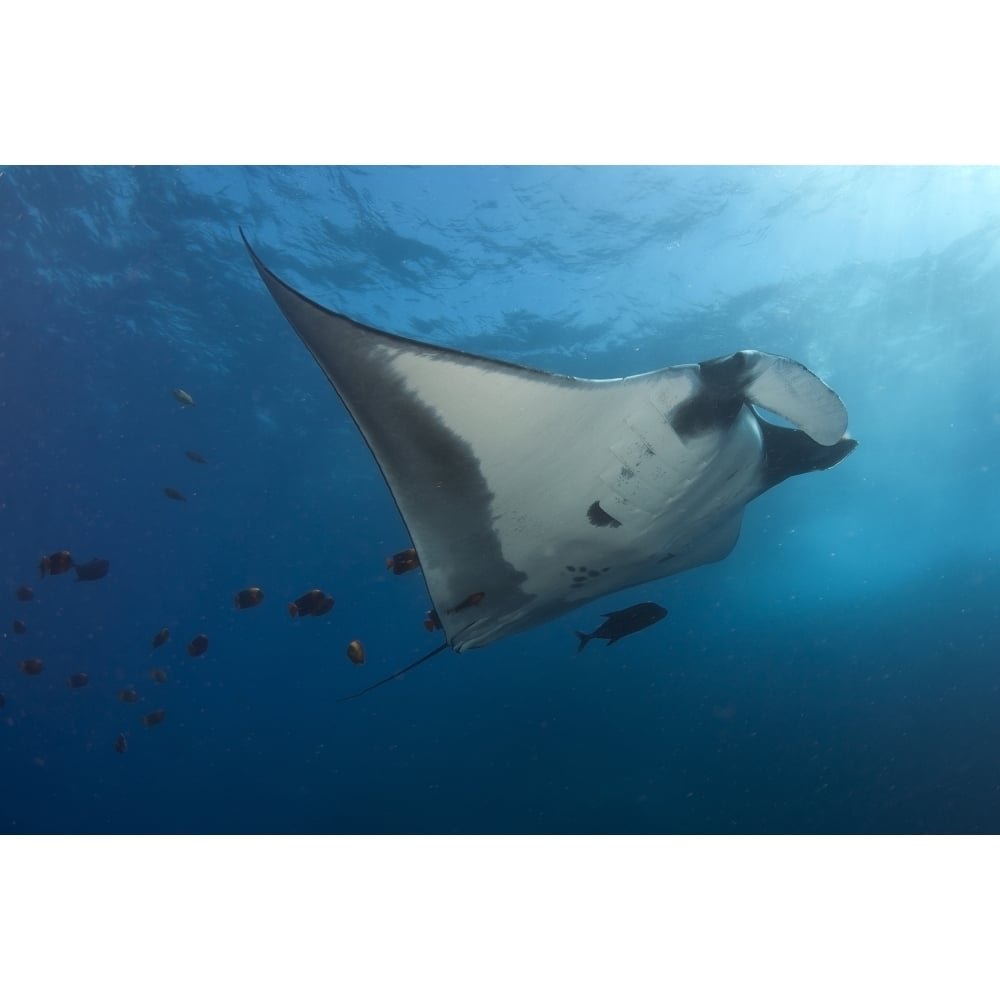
x=838 y=672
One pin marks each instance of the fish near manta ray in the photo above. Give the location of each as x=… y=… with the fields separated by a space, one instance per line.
x=527 y=494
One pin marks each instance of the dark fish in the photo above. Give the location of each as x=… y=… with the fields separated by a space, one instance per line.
x=161 y=637
x=19 y=627
x=432 y=622
x=154 y=718
x=197 y=456
x=622 y=623
x=128 y=695
x=356 y=652
x=169 y=491
x=313 y=602
x=183 y=397
x=25 y=593
x=32 y=667
x=158 y=675
x=470 y=602
x=197 y=645
x=58 y=562
x=403 y=562
x=121 y=743
x=249 y=598
x=93 y=570
x=80 y=680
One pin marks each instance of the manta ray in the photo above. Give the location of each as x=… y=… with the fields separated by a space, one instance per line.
x=527 y=494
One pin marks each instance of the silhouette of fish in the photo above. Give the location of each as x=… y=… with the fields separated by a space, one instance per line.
x=197 y=645
x=619 y=624
x=313 y=602
x=248 y=598
x=55 y=564
x=93 y=570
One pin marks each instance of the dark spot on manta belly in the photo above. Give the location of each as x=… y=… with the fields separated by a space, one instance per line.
x=600 y=518
x=579 y=579
x=626 y=472
x=572 y=569
x=593 y=572
x=667 y=557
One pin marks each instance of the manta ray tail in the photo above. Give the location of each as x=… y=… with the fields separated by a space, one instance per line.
x=398 y=673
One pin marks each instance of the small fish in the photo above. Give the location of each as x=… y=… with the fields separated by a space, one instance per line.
x=169 y=491
x=24 y=593
x=470 y=602
x=80 y=680
x=93 y=570
x=403 y=562
x=197 y=456
x=185 y=398
x=249 y=598
x=432 y=622
x=197 y=645
x=158 y=675
x=31 y=667
x=622 y=623
x=58 y=562
x=154 y=718
x=356 y=652
x=19 y=627
x=121 y=743
x=313 y=602
x=161 y=637
x=128 y=695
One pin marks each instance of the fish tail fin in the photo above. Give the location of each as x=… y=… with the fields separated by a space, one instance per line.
x=398 y=673
x=584 y=639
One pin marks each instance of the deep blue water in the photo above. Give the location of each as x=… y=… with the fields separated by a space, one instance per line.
x=838 y=672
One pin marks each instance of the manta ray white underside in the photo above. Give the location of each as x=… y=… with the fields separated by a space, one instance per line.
x=527 y=494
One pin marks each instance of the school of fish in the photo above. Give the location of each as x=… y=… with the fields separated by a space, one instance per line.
x=313 y=603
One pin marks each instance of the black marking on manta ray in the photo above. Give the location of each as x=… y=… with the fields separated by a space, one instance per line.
x=600 y=518
x=719 y=400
